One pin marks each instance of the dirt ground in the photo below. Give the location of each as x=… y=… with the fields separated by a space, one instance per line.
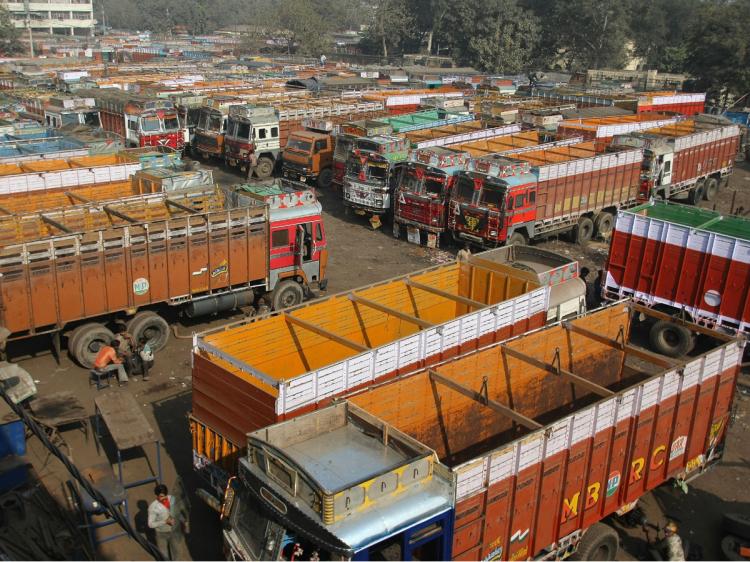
x=358 y=256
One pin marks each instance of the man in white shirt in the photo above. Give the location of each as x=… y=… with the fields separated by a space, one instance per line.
x=164 y=518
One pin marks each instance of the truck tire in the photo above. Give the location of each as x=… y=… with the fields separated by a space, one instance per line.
x=711 y=189
x=287 y=293
x=150 y=325
x=585 y=230
x=603 y=224
x=517 y=239
x=670 y=339
x=325 y=178
x=695 y=195
x=89 y=338
x=599 y=542
x=264 y=167
x=737 y=524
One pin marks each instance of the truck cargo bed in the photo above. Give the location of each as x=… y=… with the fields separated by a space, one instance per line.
x=553 y=430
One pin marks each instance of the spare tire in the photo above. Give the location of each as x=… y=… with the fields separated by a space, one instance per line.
x=670 y=339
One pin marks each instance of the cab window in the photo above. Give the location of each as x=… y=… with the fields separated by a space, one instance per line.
x=280 y=238
x=519 y=201
x=274 y=132
x=320 y=145
x=318 y=232
x=261 y=133
x=532 y=197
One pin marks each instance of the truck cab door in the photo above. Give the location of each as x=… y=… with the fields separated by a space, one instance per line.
x=303 y=246
x=665 y=176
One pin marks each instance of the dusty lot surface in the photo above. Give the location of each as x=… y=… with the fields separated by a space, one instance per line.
x=358 y=256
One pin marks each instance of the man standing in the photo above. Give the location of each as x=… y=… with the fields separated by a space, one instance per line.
x=464 y=254
x=164 y=518
x=108 y=360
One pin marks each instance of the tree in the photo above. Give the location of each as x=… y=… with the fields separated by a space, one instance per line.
x=719 y=50
x=590 y=33
x=495 y=36
x=9 y=34
x=305 y=29
x=392 y=24
x=660 y=29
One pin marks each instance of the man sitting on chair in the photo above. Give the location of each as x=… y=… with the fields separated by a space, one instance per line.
x=107 y=360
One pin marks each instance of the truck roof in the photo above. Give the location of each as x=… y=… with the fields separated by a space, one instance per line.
x=374 y=478
x=695 y=217
x=307 y=134
x=439 y=157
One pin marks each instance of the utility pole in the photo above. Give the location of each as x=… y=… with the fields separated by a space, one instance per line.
x=28 y=26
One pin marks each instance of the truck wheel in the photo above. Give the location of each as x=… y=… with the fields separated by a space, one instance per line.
x=89 y=338
x=603 y=224
x=584 y=230
x=600 y=542
x=149 y=325
x=670 y=339
x=517 y=239
x=695 y=195
x=287 y=293
x=325 y=178
x=712 y=188
x=264 y=168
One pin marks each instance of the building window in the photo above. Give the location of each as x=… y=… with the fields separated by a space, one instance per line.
x=59 y=15
x=81 y=16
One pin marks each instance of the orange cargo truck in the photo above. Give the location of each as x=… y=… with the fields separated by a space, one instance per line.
x=520 y=450
x=73 y=270
x=300 y=360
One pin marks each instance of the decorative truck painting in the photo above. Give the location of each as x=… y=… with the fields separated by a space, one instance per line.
x=517 y=450
x=348 y=133
x=421 y=194
x=652 y=248
x=528 y=195
x=693 y=157
x=371 y=173
x=157 y=251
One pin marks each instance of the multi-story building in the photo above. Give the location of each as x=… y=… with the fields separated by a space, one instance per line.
x=59 y=17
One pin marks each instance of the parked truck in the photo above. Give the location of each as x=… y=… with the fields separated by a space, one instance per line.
x=56 y=111
x=529 y=195
x=290 y=117
x=520 y=450
x=687 y=264
x=309 y=152
x=140 y=120
x=305 y=357
x=348 y=133
x=372 y=172
x=693 y=157
x=420 y=197
x=208 y=141
x=185 y=249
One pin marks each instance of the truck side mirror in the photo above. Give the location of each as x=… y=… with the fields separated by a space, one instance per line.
x=300 y=240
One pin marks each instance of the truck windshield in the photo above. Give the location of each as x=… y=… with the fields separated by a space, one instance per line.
x=465 y=189
x=250 y=525
x=171 y=123
x=203 y=119
x=377 y=170
x=430 y=183
x=243 y=131
x=492 y=196
x=214 y=123
x=150 y=124
x=299 y=144
x=70 y=119
x=91 y=118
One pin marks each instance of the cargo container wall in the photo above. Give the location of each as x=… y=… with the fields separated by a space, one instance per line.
x=654 y=245
x=574 y=453
x=48 y=283
x=704 y=153
x=587 y=184
x=300 y=360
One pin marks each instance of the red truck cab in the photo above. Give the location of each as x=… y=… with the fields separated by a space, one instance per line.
x=422 y=191
x=489 y=201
